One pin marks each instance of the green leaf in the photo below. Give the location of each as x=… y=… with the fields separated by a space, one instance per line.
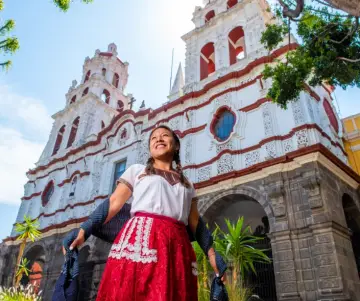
x=326 y=37
x=273 y=35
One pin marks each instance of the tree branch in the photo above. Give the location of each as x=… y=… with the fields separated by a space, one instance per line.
x=325 y=4
x=348 y=60
x=292 y=13
x=327 y=13
x=350 y=33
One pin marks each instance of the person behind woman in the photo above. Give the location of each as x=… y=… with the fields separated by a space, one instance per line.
x=152 y=258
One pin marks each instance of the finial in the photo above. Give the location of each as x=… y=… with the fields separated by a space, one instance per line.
x=113 y=49
x=73 y=84
x=142 y=105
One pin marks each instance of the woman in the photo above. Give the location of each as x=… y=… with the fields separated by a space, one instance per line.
x=152 y=258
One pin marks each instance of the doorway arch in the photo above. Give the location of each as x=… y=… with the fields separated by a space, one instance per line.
x=36 y=257
x=352 y=217
x=232 y=205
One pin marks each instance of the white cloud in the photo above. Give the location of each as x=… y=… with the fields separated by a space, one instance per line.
x=24 y=128
x=17 y=155
x=24 y=113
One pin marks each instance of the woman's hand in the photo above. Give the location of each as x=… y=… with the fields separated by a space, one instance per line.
x=212 y=259
x=79 y=240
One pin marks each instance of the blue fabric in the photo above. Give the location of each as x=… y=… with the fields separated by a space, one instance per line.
x=203 y=236
x=205 y=240
x=218 y=290
x=67 y=285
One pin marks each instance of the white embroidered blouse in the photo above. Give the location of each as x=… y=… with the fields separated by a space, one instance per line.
x=161 y=194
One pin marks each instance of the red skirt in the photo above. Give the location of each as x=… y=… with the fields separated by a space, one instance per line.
x=151 y=260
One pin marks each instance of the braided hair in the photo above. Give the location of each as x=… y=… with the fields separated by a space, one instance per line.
x=150 y=169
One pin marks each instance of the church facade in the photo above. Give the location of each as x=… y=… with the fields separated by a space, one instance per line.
x=285 y=171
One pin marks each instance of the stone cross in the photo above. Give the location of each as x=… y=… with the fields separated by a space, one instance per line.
x=131 y=102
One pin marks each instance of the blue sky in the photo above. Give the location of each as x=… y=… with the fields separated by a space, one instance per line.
x=53 y=48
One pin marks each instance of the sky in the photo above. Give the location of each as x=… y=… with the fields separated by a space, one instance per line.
x=53 y=48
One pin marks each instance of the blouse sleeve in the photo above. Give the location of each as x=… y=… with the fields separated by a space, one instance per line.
x=129 y=176
x=194 y=198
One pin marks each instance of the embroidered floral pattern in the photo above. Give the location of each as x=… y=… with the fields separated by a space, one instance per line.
x=138 y=251
x=172 y=177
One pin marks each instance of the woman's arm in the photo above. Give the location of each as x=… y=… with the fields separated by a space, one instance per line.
x=104 y=213
x=193 y=223
x=117 y=200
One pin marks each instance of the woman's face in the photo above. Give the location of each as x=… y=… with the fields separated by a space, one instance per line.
x=162 y=144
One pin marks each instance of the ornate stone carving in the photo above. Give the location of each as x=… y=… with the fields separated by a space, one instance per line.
x=186 y=173
x=302 y=138
x=96 y=178
x=268 y=125
x=174 y=123
x=270 y=150
x=225 y=164
x=143 y=150
x=278 y=201
x=221 y=147
x=297 y=112
x=190 y=63
x=87 y=125
x=203 y=174
x=309 y=103
x=138 y=129
x=313 y=191
x=288 y=145
x=252 y=158
x=188 y=148
x=189 y=117
x=222 y=100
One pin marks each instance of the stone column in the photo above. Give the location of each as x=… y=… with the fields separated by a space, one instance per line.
x=334 y=263
x=221 y=52
x=284 y=266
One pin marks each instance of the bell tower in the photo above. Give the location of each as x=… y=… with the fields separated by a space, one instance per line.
x=90 y=105
x=226 y=38
x=106 y=77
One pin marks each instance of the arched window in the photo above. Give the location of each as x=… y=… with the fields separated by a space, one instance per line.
x=231 y=3
x=120 y=106
x=73 y=99
x=87 y=76
x=116 y=80
x=73 y=131
x=47 y=193
x=102 y=124
x=207 y=60
x=331 y=115
x=103 y=71
x=58 y=140
x=236 y=45
x=105 y=96
x=86 y=91
x=209 y=16
x=223 y=123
